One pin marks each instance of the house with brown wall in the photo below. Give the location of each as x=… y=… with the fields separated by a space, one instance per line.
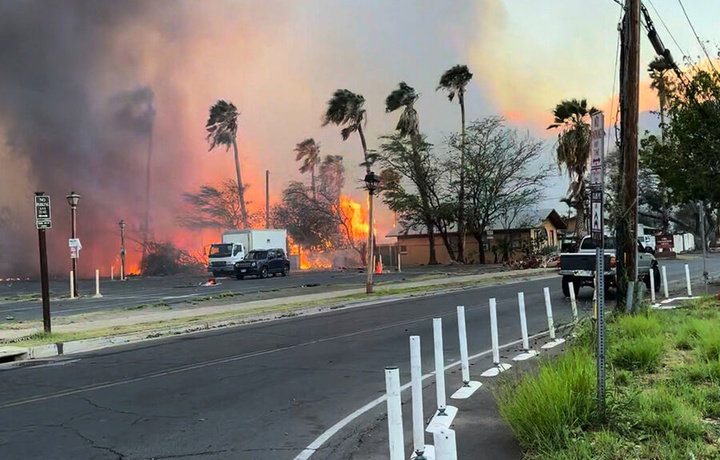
x=528 y=232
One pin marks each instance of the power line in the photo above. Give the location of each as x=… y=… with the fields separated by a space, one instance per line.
x=697 y=37
x=667 y=29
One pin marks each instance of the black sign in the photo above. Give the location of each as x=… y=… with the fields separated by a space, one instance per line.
x=42 y=212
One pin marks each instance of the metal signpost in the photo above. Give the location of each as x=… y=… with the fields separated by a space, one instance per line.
x=42 y=222
x=597 y=175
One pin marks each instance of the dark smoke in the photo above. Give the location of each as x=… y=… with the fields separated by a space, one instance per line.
x=73 y=111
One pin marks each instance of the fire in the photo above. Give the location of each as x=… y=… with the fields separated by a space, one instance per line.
x=355 y=218
x=355 y=227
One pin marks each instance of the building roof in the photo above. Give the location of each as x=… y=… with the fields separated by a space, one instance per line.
x=526 y=220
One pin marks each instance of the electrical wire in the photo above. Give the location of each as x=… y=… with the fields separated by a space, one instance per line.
x=697 y=37
x=615 y=80
x=667 y=29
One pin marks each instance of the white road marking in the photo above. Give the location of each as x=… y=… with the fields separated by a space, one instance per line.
x=333 y=430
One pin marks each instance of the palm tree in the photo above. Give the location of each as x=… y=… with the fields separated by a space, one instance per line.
x=404 y=96
x=454 y=81
x=660 y=83
x=409 y=126
x=573 y=150
x=222 y=127
x=308 y=151
x=346 y=109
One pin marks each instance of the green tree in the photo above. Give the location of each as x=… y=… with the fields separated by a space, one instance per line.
x=454 y=81
x=413 y=164
x=309 y=152
x=573 y=151
x=222 y=125
x=346 y=109
x=412 y=161
x=503 y=174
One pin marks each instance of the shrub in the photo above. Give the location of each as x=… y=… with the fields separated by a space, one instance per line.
x=544 y=409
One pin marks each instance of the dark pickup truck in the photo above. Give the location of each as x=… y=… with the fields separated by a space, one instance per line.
x=579 y=267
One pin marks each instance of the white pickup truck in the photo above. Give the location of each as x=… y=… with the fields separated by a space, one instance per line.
x=579 y=267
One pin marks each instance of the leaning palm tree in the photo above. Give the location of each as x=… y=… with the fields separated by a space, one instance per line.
x=573 y=150
x=309 y=152
x=409 y=126
x=345 y=109
x=404 y=97
x=222 y=127
x=454 y=81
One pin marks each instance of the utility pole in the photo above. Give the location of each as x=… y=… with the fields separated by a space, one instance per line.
x=629 y=104
x=122 y=250
x=267 y=198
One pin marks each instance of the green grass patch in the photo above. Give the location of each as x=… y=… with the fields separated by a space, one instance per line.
x=663 y=391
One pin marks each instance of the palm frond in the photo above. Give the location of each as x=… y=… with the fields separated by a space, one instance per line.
x=222 y=124
x=454 y=80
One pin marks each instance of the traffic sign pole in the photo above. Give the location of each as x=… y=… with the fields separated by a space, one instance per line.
x=597 y=174
x=42 y=221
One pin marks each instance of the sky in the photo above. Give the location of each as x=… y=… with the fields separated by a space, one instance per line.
x=65 y=65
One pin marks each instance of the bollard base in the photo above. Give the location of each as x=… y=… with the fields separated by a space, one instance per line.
x=553 y=344
x=428 y=454
x=526 y=355
x=496 y=370
x=466 y=391
x=97 y=296
x=442 y=421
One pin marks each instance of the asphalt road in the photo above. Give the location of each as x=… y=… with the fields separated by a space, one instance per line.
x=179 y=289
x=262 y=391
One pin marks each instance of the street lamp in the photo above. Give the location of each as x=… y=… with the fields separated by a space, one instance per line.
x=371 y=182
x=122 y=250
x=72 y=200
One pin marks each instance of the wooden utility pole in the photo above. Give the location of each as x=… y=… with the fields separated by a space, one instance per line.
x=267 y=198
x=630 y=111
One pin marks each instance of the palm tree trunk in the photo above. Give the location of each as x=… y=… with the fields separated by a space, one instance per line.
x=364 y=147
x=312 y=176
x=146 y=224
x=241 y=188
x=461 y=194
x=370 y=243
x=580 y=220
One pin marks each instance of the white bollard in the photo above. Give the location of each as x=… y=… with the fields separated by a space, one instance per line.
x=462 y=334
x=418 y=417
x=527 y=352
x=97 y=283
x=439 y=365
x=664 y=280
x=445 y=414
x=112 y=273
x=548 y=311
x=687 y=279
x=494 y=333
x=72 y=285
x=497 y=365
x=399 y=263
x=652 y=286
x=551 y=324
x=573 y=302
x=394 y=408
x=468 y=387
x=445 y=445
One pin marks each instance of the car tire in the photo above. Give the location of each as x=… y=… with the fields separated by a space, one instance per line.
x=239 y=277
x=215 y=274
x=566 y=280
x=264 y=272
x=286 y=270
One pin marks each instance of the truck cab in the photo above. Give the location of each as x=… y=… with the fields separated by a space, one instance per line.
x=223 y=256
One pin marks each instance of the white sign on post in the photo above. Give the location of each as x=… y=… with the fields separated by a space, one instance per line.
x=75 y=247
x=42 y=212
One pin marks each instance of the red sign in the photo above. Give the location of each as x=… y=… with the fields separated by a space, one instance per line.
x=664 y=243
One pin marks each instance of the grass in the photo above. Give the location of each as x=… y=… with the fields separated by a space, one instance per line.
x=663 y=392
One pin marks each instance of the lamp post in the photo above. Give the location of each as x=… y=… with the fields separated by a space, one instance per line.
x=122 y=250
x=371 y=182
x=72 y=200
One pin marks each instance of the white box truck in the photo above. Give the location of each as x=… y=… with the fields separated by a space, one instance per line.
x=236 y=243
